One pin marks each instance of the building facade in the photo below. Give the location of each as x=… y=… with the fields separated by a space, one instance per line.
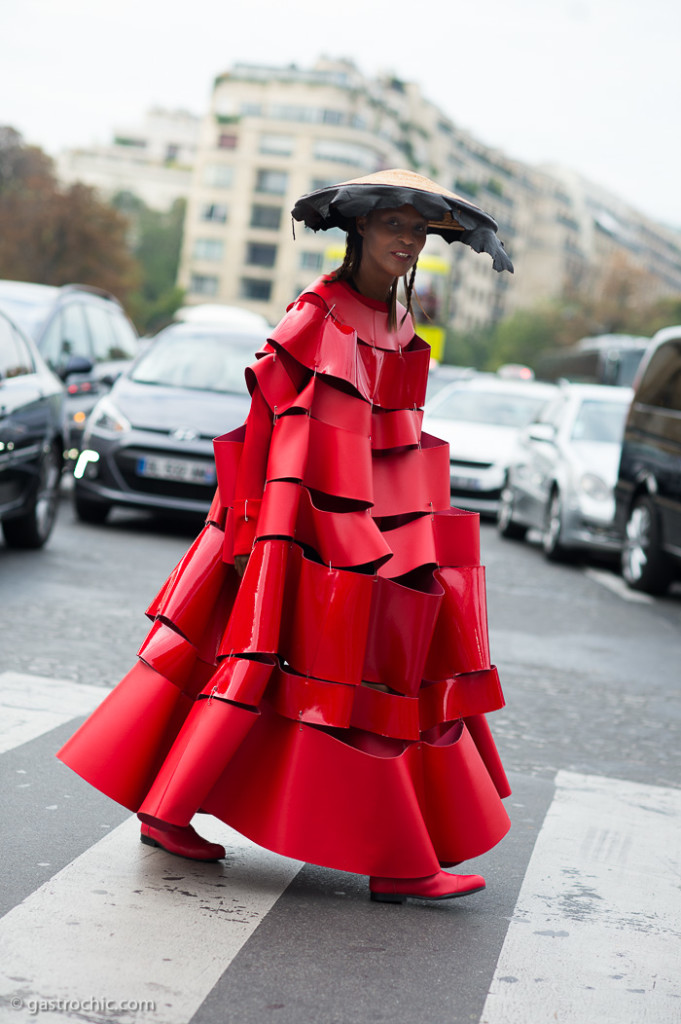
x=153 y=159
x=274 y=133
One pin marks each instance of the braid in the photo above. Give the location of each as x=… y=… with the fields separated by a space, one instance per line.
x=410 y=290
x=351 y=259
x=392 y=307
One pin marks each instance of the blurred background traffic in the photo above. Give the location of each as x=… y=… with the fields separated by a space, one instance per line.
x=139 y=276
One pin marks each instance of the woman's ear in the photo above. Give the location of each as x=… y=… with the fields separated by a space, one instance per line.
x=360 y=224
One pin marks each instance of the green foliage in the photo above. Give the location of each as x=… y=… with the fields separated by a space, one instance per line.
x=155 y=238
x=613 y=302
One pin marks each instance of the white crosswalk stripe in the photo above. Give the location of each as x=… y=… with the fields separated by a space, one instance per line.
x=138 y=926
x=595 y=934
x=31 y=705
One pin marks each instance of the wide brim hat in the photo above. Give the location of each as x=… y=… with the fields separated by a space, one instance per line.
x=448 y=215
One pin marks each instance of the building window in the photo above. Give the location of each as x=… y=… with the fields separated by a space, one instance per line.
x=218 y=175
x=260 y=255
x=227 y=141
x=254 y=288
x=272 y=182
x=311 y=260
x=266 y=217
x=345 y=153
x=279 y=145
x=217 y=212
x=318 y=183
x=208 y=249
x=204 y=284
x=333 y=116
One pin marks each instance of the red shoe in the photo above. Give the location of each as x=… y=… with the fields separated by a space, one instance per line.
x=181 y=840
x=440 y=886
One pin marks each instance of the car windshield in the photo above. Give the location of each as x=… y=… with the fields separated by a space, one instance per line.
x=197 y=362
x=600 y=421
x=498 y=408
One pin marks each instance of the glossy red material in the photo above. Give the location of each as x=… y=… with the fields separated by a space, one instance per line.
x=183 y=842
x=330 y=703
x=124 y=743
x=440 y=886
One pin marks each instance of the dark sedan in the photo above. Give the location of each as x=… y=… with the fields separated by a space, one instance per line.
x=84 y=336
x=148 y=444
x=32 y=421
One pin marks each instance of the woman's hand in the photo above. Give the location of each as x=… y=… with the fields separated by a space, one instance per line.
x=240 y=563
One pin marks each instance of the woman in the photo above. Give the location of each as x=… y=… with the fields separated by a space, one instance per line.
x=318 y=670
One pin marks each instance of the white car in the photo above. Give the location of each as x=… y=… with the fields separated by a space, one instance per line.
x=480 y=419
x=562 y=477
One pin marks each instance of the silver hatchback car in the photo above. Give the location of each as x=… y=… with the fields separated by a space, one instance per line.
x=562 y=475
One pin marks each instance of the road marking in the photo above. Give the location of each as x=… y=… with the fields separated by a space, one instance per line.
x=618 y=586
x=122 y=914
x=595 y=934
x=32 y=705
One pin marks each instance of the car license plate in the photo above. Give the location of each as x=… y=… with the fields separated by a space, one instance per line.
x=469 y=483
x=186 y=471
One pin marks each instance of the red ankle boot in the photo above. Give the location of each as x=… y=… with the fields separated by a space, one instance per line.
x=181 y=840
x=440 y=886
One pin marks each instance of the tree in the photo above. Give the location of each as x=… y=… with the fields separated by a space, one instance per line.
x=155 y=238
x=54 y=235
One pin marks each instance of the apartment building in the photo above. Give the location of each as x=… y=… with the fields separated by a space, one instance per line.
x=154 y=159
x=274 y=133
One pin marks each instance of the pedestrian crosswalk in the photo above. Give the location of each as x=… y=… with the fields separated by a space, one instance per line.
x=128 y=934
x=596 y=933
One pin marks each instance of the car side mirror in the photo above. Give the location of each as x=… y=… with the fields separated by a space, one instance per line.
x=541 y=432
x=75 y=364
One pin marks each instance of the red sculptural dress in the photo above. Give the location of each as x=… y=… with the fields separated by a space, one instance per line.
x=330 y=705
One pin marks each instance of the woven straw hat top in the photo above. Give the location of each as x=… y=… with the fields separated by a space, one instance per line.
x=448 y=215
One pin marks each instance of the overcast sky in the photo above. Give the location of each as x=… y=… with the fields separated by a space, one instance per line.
x=593 y=84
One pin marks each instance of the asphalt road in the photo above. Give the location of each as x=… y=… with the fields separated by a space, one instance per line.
x=592 y=721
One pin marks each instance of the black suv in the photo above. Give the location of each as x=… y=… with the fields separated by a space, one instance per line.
x=648 y=491
x=82 y=334
x=31 y=440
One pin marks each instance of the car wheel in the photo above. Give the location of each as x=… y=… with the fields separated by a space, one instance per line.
x=32 y=529
x=91 y=511
x=644 y=564
x=506 y=527
x=553 y=528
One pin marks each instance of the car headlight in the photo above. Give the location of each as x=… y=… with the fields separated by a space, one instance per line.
x=106 y=418
x=595 y=487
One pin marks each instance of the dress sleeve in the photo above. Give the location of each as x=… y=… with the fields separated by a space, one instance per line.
x=251 y=474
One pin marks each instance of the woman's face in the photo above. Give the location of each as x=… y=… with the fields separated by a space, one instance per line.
x=392 y=241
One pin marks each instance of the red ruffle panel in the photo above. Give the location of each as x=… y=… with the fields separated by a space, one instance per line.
x=314 y=797
x=122 y=746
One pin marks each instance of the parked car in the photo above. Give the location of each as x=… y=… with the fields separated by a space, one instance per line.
x=148 y=444
x=442 y=374
x=84 y=336
x=648 y=491
x=562 y=476
x=480 y=419
x=220 y=313
x=31 y=440
x=605 y=359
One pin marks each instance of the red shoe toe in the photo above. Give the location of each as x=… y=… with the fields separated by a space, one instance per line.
x=440 y=886
x=182 y=841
